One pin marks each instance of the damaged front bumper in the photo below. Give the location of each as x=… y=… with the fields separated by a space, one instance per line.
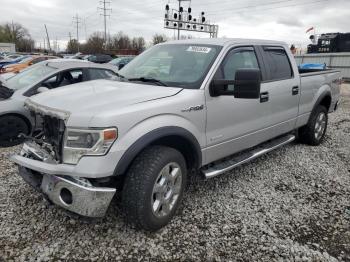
x=75 y=194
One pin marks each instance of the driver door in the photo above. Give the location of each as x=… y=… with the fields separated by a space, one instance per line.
x=235 y=124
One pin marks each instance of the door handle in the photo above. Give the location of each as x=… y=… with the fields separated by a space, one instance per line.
x=264 y=97
x=295 y=90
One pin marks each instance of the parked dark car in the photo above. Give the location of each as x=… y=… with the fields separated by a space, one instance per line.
x=100 y=59
x=122 y=61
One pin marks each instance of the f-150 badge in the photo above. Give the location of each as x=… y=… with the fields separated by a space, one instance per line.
x=193 y=108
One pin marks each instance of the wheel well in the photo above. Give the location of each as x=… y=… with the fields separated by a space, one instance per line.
x=326 y=102
x=26 y=120
x=184 y=146
x=171 y=136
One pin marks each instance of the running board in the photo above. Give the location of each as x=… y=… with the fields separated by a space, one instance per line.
x=227 y=165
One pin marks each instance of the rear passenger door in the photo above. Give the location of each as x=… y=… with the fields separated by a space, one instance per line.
x=281 y=89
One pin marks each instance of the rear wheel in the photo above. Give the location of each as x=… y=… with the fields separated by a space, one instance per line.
x=313 y=133
x=154 y=187
x=10 y=128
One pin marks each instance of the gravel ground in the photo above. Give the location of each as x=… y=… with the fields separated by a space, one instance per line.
x=290 y=205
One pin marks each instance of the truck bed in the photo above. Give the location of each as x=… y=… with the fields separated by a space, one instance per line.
x=306 y=72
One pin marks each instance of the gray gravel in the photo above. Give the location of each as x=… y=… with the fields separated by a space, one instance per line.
x=290 y=205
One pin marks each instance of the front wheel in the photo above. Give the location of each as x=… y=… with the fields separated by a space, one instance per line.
x=313 y=133
x=154 y=187
x=10 y=129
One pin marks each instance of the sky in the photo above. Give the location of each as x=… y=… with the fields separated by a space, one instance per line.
x=285 y=20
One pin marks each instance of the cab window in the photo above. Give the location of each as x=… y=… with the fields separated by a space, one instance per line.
x=278 y=64
x=68 y=77
x=240 y=58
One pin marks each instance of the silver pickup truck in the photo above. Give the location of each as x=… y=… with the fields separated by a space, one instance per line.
x=204 y=105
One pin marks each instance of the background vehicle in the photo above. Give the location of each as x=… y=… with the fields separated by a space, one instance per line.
x=205 y=101
x=12 y=61
x=23 y=64
x=100 y=59
x=44 y=76
x=120 y=62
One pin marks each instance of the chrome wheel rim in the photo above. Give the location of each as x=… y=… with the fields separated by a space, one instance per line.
x=166 y=190
x=320 y=125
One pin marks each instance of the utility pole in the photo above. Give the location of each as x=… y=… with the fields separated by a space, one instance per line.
x=76 y=20
x=104 y=14
x=56 y=46
x=48 y=39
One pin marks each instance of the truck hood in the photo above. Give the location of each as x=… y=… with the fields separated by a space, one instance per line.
x=91 y=98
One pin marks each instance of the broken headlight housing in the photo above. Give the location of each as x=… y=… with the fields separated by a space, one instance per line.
x=87 y=142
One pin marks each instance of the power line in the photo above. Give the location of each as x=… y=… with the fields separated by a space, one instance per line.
x=77 y=21
x=259 y=10
x=104 y=14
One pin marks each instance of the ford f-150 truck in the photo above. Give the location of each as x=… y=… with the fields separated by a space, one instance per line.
x=204 y=105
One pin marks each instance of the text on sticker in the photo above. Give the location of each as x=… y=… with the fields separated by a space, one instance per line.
x=199 y=49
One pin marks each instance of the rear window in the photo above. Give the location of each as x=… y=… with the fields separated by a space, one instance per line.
x=278 y=66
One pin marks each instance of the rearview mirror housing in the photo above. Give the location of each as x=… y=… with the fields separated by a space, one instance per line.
x=246 y=85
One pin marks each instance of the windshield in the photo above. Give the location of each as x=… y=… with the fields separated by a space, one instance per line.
x=29 y=76
x=177 y=65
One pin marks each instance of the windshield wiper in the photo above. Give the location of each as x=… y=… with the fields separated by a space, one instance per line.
x=148 y=80
x=119 y=75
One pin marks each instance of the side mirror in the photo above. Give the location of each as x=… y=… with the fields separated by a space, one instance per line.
x=120 y=66
x=248 y=82
x=42 y=89
x=246 y=85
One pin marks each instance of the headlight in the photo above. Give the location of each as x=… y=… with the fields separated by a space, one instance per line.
x=90 y=142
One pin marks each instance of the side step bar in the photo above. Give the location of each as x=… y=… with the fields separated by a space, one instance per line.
x=231 y=163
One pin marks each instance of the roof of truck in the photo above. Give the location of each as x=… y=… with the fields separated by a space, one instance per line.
x=226 y=41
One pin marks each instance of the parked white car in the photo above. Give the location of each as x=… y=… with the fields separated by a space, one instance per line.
x=44 y=76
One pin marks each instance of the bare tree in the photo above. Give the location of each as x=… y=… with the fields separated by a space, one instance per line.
x=139 y=44
x=159 y=39
x=16 y=33
x=95 y=43
x=72 y=46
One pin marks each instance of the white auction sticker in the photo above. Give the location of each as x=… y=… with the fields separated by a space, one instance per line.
x=199 y=49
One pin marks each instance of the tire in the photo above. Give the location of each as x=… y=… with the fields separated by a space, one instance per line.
x=314 y=132
x=147 y=185
x=10 y=128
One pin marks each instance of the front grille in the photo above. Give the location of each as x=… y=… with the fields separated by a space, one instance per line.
x=52 y=134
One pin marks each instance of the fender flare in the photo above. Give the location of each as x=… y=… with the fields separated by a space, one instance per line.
x=320 y=98
x=151 y=137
